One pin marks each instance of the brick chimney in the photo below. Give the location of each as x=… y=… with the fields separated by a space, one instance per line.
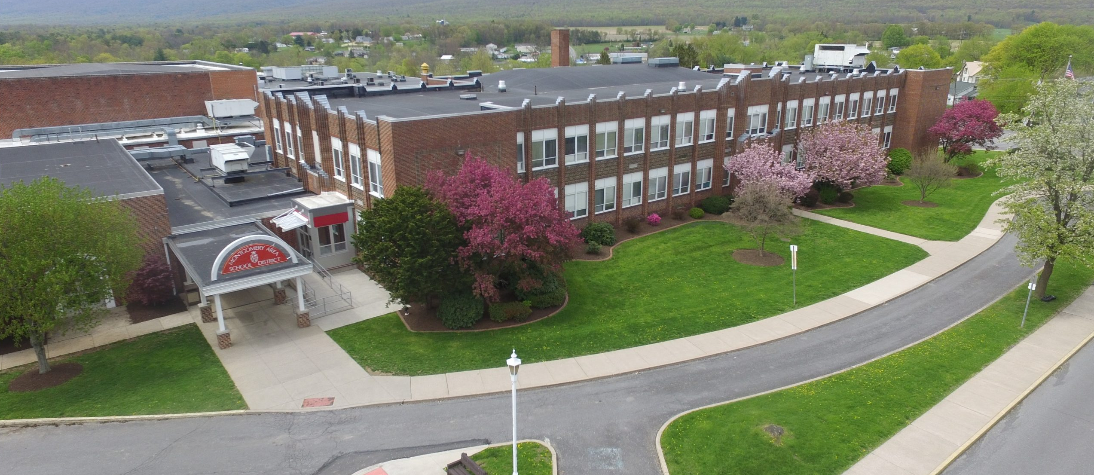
x=560 y=47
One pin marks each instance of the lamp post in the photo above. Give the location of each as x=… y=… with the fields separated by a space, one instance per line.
x=794 y=269
x=514 y=366
x=1032 y=286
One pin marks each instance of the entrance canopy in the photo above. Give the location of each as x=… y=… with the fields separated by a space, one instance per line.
x=237 y=257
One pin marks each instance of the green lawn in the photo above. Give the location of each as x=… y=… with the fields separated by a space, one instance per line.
x=832 y=423
x=532 y=459
x=960 y=208
x=672 y=284
x=168 y=372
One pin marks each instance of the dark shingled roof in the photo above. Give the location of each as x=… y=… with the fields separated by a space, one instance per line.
x=103 y=166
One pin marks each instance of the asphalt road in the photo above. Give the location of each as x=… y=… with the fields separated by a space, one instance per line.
x=1050 y=433
x=605 y=426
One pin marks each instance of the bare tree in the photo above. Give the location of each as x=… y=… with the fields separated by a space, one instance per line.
x=764 y=210
x=928 y=173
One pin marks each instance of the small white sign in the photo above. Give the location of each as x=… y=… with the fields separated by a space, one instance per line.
x=1032 y=286
x=793 y=257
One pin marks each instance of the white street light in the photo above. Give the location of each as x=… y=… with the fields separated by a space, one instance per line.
x=794 y=268
x=514 y=366
x=1032 y=286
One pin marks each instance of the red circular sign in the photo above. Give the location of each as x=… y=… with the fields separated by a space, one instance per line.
x=253 y=256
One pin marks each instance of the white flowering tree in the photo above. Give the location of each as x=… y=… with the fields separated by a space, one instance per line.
x=1053 y=202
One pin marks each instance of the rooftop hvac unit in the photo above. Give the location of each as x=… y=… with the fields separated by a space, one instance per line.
x=230 y=108
x=229 y=158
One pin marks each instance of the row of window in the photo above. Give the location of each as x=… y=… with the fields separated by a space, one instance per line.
x=656 y=182
x=544 y=143
x=356 y=177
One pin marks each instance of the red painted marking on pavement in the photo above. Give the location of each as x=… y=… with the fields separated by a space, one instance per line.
x=319 y=402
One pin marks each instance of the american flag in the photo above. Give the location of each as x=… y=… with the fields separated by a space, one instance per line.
x=1068 y=73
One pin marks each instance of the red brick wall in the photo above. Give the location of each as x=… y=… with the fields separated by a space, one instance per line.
x=560 y=48
x=55 y=101
x=151 y=215
x=920 y=103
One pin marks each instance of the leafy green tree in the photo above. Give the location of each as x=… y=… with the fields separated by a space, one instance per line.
x=160 y=55
x=688 y=55
x=1052 y=206
x=604 y=58
x=63 y=252
x=1045 y=48
x=894 y=37
x=408 y=243
x=915 y=56
x=941 y=44
x=1008 y=89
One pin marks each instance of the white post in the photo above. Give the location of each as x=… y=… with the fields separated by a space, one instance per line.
x=220 y=312
x=514 y=424
x=794 y=270
x=1032 y=286
x=300 y=294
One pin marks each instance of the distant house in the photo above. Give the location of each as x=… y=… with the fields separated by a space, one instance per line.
x=491 y=47
x=442 y=22
x=328 y=40
x=961 y=91
x=526 y=48
x=971 y=72
x=469 y=50
x=363 y=40
x=447 y=57
x=280 y=45
x=242 y=50
x=303 y=33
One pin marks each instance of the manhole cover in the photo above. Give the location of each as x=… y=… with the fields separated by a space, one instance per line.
x=318 y=402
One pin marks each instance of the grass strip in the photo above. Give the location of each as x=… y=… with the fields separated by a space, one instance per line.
x=533 y=458
x=830 y=424
x=172 y=371
x=672 y=284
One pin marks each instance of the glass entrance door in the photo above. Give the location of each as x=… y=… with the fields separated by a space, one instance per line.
x=303 y=237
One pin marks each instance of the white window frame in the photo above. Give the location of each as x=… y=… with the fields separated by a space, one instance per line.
x=685 y=129
x=791 y=115
x=852 y=106
x=867 y=104
x=607 y=134
x=634 y=136
x=337 y=155
x=707 y=123
x=579 y=135
x=604 y=195
x=660 y=130
x=880 y=103
x=277 y=135
x=300 y=143
x=681 y=179
x=355 y=177
x=823 y=107
x=375 y=173
x=808 y=108
x=336 y=245
x=841 y=103
x=887 y=139
x=726 y=176
x=730 y=115
x=659 y=182
x=788 y=153
x=704 y=174
x=545 y=141
x=577 y=200
x=632 y=189
x=757 y=120
x=894 y=94
x=520 y=152
x=778 y=115
x=289 y=150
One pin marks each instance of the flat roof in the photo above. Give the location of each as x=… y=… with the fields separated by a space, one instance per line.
x=112 y=69
x=191 y=202
x=103 y=166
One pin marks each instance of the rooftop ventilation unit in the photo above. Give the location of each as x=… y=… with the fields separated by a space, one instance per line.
x=468 y=97
x=501 y=86
x=671 y=62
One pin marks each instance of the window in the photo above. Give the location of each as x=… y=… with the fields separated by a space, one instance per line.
x=791 y=114
x=634 y=135
x=757 y=120
x=880 y=103
x=277 y=134
x=336 y=152
x=577 y=200
x=778 y=115
x=852 y=109
x=729 y=123
x=606 y=139
x=867 y=103
x=577 y=144
x=807 y=112
x=685 y=128
x=658 y=183
x=355 y=165
x=839 y=107
x=706 y=126
x=704 y=172
x=315 y=145
x=300 y=142
x=520 y=152
x=888 y=139
x=375 y=177
x=332 y=239
x=288 y=140
x=659 y=132
x=604 y=195
x=822 y=110
x=544 y=148
x=800 y=159
x=892 y=100
x=725 y=178
x=681 y=179
x=788 y=153
x=632 y=189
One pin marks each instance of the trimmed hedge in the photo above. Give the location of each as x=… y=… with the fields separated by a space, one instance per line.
x=810 y=198
x=600 y=233
x=505 y=311
x=828 y=195
x=716 y=204
x=550 y=299
x=461 y=310
x=696 y=213
x=592 y=248
x=900 y=159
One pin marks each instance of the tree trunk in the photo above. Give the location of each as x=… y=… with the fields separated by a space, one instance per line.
x=763 y=240
x=38 y=342
x=1042 y=280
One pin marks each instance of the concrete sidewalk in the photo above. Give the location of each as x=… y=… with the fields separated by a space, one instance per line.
x=934 y=440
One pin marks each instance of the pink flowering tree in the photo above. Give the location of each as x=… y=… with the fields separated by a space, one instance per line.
x=966 y=124
x=760 y=163
x=509 y=225
x=843 y=154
